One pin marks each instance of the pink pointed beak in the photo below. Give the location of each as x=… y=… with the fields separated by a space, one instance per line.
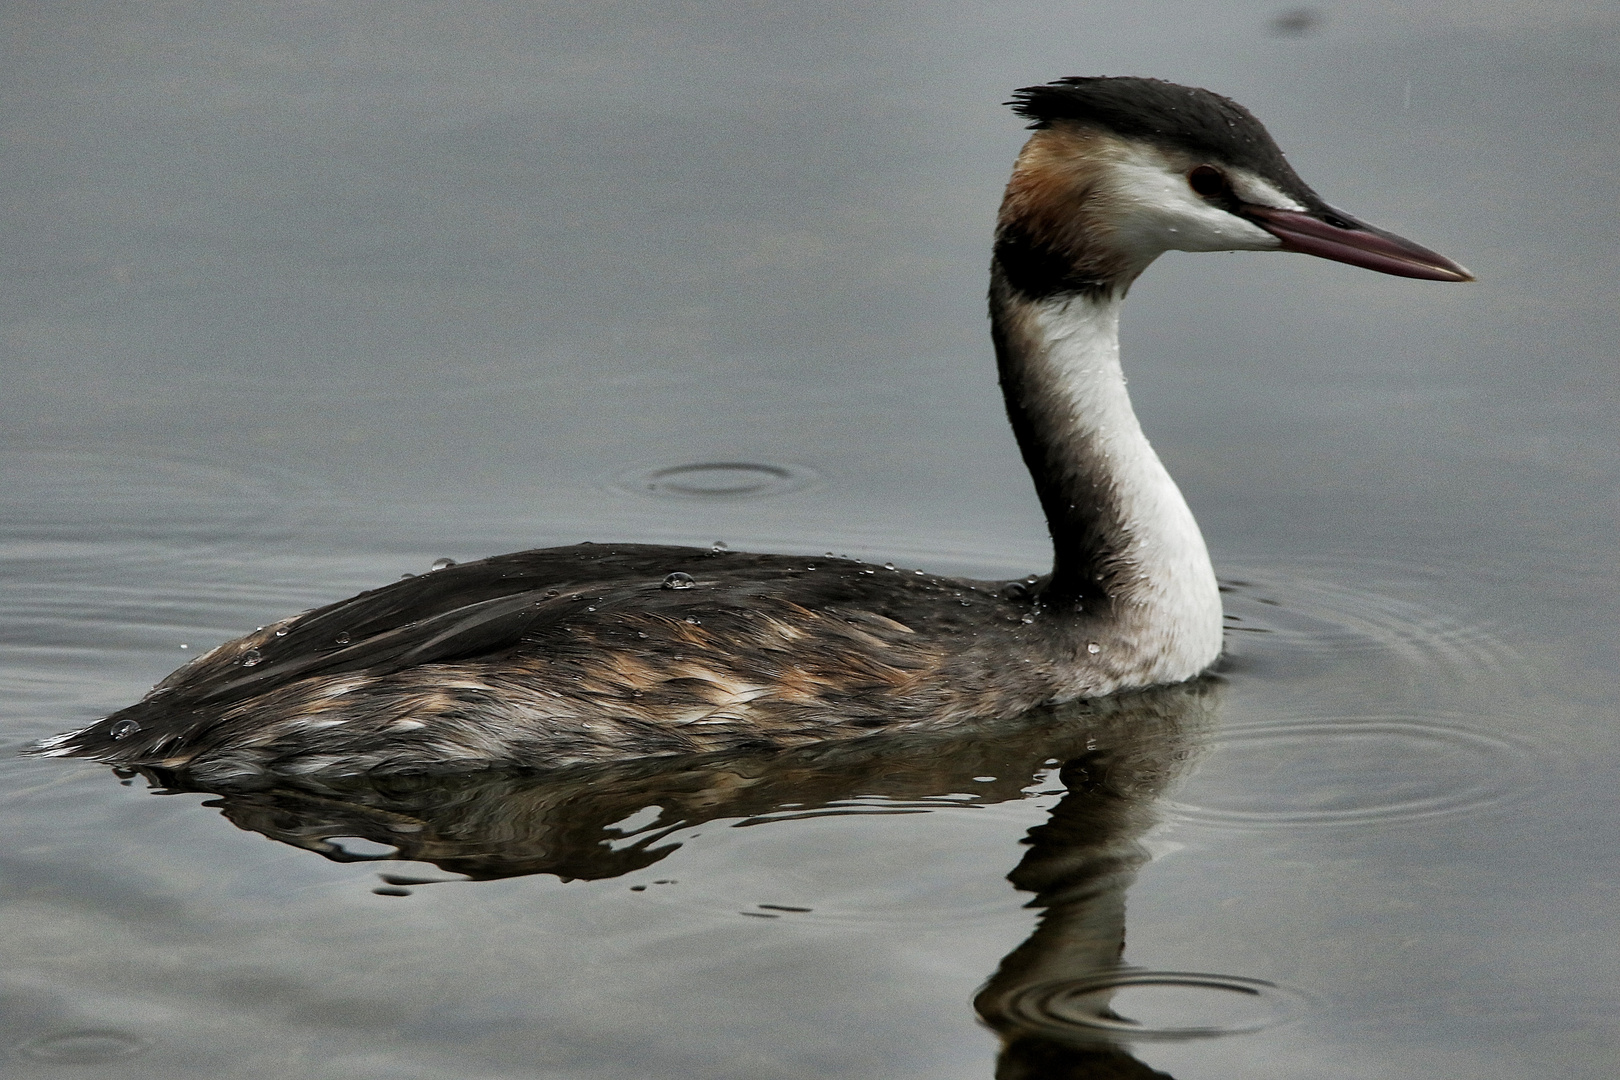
x=1344 y=239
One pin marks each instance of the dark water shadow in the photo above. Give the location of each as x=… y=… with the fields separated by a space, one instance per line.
x=1050 y=998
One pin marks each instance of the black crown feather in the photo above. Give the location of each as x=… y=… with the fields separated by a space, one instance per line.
x=1184 y=117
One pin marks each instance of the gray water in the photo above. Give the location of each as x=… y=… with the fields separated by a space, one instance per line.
x=299 y=298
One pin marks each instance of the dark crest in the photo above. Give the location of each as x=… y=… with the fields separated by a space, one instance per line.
x=1184 y=117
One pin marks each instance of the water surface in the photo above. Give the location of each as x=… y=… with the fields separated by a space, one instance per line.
x=298 y=300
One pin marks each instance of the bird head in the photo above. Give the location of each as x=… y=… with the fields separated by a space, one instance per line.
x=1121 y=170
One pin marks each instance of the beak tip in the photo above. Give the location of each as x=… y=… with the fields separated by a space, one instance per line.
x=1453 y=271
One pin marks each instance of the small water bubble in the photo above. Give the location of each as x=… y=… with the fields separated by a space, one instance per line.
x=720 y=547
x=888 y=566
x=441 y=564
x=868 y=571
x=1093 y=648
x=344 y=638
x=279 y=633
x=252 y=658
x=810 y=566
x=123 y=729
x=830 y=555
x=678 y=580
x=1032 y=579
x=642 y=634
x=550 y=593
x=919 y=573
x=183 y=645
x=591 y=608
x=694 y=620
x=1028 y=617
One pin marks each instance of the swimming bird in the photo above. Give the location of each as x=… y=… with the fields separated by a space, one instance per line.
x=597 y=652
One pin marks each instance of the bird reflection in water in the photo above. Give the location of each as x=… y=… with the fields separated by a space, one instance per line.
x=1114 y=756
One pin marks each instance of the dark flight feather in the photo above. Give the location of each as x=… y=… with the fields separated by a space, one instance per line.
x=585 y=623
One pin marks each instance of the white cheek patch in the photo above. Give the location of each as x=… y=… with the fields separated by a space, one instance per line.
x=1256 y=191
x=1161 y=212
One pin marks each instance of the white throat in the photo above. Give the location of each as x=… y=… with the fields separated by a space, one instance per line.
x=1166 y=601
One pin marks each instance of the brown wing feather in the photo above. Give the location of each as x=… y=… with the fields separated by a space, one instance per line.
x=563 y=655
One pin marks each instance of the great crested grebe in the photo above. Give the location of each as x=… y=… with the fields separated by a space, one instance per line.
x=587 y=653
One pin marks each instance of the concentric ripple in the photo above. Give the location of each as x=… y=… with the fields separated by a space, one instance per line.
x=1280 y=621
x=1151 y=1006
x=718 y=480
x=83 y=1047
x=1342 y=771
x=83 y=506
x=85 y=640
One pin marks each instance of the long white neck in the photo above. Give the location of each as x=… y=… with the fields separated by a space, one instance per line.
x=1127 y=549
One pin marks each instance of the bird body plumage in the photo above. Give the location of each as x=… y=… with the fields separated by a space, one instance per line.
x=576 y=654
x=591 y=653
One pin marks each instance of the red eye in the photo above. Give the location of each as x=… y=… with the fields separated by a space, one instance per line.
x=1207 y=181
